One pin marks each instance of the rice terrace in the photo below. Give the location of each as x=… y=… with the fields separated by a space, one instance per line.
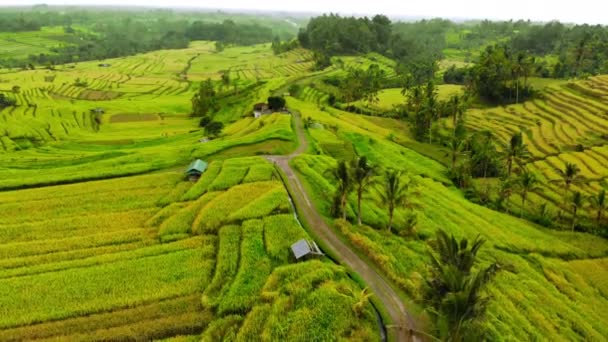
x=189 y=174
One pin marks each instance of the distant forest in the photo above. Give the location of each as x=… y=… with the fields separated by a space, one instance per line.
x=550 y=50
x=99 y=33
x=577 y=50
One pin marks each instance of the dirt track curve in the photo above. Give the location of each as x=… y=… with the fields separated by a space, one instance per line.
x=402 y=321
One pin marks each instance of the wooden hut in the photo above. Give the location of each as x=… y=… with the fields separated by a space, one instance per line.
x=304 y=249
x=196 y=169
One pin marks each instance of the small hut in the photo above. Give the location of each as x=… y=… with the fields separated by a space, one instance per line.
x=304 y=249
x=196 y=169
x=260 y=109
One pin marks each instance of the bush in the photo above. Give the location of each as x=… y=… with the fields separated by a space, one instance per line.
x=205 y=120
x=214 y=128
x=276 y=102
x=6 y=101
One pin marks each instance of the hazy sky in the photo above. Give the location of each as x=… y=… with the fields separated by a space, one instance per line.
x=579 y=11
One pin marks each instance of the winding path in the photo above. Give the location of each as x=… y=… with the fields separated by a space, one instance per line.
x=402 y=321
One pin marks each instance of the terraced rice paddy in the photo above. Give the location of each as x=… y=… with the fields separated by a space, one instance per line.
x=541 y=266
x=101 y=237
x=110 y=258
x=22 y=44
x=567 y=125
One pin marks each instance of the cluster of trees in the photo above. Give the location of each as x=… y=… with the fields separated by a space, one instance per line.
x=359 y=84
x=120 y=33
x=582 y=49
x=394 y=190
x=333 y=34
x=279 y=47
x=497 y=75
x=6 y=101
x=227 y=32
x=204 y=105
x=414 y=45
x=423 y=108
x=500 y=75
x=21 y=19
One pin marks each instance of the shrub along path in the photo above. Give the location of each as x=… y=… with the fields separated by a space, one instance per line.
x=402 y=321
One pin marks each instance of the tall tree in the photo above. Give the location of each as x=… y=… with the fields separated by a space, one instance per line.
x=344 y=186
x=599 y=204
x=505 y=191
x=576 y=202
x=527 y=182
x=204 y=101
x=570 y=175
x=363 y=177
x=516 y=151
x=453 y=291
x=396 y=191
x=519 y=69
x=455 y=146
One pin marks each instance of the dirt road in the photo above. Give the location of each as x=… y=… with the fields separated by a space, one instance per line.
x=402 y=321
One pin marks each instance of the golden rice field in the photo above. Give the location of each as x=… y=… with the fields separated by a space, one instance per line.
x=567 y=124
x=102 y=238
x=155 y=256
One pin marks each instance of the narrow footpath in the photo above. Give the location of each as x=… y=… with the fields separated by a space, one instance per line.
x=402 y=321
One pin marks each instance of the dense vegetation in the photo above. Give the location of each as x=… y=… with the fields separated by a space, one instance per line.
x=108 y=33
x=442 y=153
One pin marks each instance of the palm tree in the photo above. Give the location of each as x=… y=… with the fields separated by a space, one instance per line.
x=395 y=192
x=576 y=203
x=362 y=176
x=456 y=145
x=459 y=255
x=519 y=68
x=599 y=204
x=453 y=290
x=456 y=108
x=344 y=185
x=505 y=191
x=515 y=151
x=527 y=182
x=570 y=175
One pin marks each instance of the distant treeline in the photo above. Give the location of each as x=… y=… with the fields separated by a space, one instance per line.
x=114 y=33
x=575 y=50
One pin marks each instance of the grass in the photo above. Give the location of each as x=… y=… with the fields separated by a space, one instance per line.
x=95 y=210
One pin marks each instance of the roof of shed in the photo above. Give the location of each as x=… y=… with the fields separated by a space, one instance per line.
x=301 y=248
x=197 y=165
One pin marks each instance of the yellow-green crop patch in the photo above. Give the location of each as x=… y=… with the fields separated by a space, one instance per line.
x=124 y=257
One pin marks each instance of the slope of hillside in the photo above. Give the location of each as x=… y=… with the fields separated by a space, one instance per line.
x=540 y=266
x=102 y=238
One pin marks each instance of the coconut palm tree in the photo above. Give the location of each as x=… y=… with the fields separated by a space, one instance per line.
x=515 y=151
x=576 y=203
x=527 y=182
x=396 y=191
x=570 y=175
x=363 y=177
x=453 y=290
x=455 y=146
x=505 y=191
x=342 y=176
x=599 y=204
x=456 y=108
